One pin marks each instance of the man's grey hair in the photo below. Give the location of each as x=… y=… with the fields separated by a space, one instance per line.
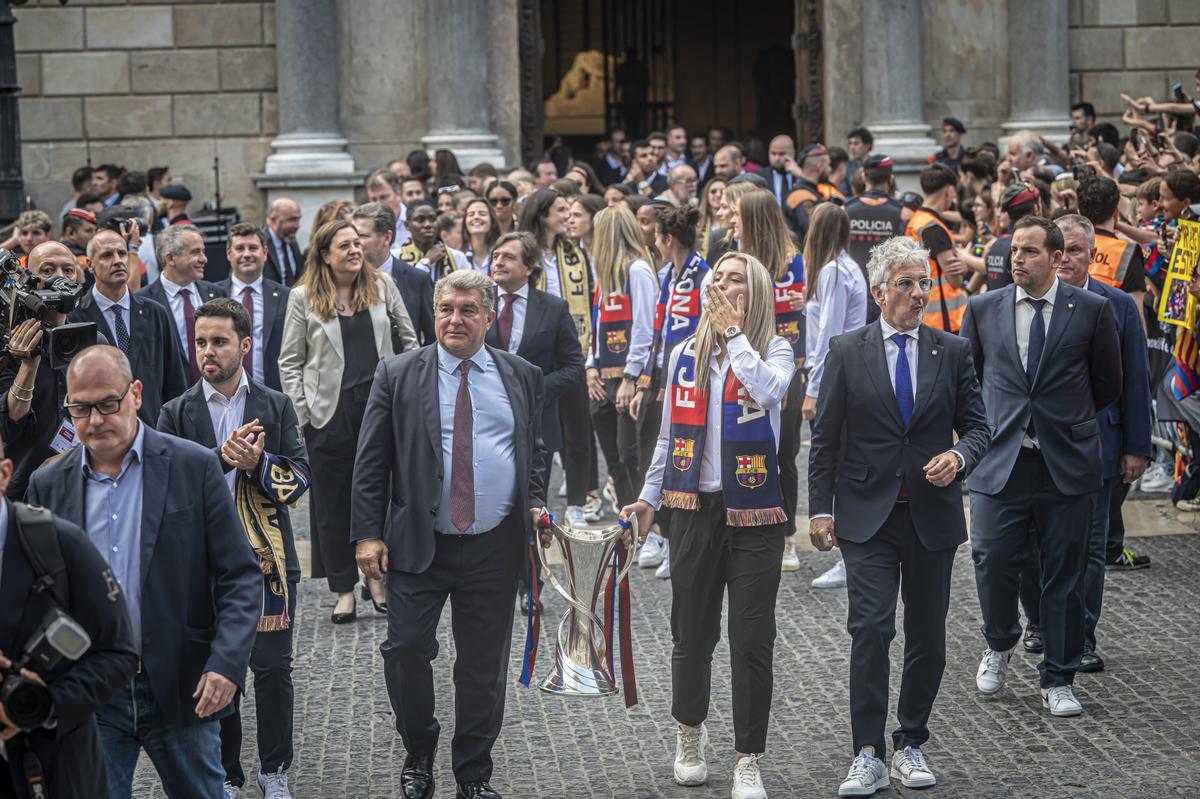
x=141 y=203
x=383 y=219
x=1028 y=140
x=893 y=253
x=1078 y=222
x=170 y=240
x=675 y=174
x=468 y=280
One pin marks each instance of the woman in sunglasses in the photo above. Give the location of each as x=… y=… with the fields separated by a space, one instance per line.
x=502 y=196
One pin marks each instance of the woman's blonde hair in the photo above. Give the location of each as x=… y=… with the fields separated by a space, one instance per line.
x=758 y=324
x=828 y=236
x=318 y=281
x=334 y=209
x=764 y=232
x=708 y=214
x=616 y=243
x=732 y=197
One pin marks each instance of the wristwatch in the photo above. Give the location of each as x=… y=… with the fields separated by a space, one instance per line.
x=732 y=331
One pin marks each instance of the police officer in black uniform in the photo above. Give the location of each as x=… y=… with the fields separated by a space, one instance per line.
x=57 y=596
x=1017 y=202
x=874 y=216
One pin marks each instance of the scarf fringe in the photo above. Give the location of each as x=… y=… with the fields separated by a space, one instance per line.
x=273 y=624
x=758 y=517
x=681 y=500
x=609 y=372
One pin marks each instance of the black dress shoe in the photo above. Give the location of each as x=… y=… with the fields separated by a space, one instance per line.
x=416 y=778
x=1091 y=662
x=344 y=618
x=1033 y=639
x=476 y=790
x=380 y=607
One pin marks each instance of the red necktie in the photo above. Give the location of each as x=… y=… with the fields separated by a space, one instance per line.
x=248 y=358
x=505 y=320
x=189 y=323
x=287 y=263
x=462 y=477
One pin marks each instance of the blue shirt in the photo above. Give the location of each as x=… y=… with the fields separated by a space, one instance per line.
x=492 y=440
x=113 y=522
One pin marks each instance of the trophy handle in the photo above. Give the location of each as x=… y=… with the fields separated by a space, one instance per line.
x=630 y=547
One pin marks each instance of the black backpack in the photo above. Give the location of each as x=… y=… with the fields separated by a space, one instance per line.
x=39 y=540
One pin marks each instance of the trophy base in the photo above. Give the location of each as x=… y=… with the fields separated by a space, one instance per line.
x=572 y=679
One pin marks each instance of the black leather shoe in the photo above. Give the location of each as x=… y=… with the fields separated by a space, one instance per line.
x=1091 y=662
x=1033 y=639
x=344 y=618
x=416 y=778
x=380 y=607
x=476 y=790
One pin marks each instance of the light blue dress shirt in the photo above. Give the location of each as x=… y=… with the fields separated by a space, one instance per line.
x=492 y=441
x=113 y=522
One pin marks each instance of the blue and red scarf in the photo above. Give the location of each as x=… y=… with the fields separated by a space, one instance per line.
x=612 y=331
x=678 y=310
x=789 y=324
x=749 y=453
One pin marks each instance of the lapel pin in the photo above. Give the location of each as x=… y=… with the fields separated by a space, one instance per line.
x=933 y=352
x=1070 y=305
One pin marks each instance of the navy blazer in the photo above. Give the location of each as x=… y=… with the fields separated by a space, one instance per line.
x=861 y=451
x=550 y=342
x=275 y=299
x=272 y=269
x=1080 y=371
x=1125 y=425
x=187 y=416
x=156 y=292
x=417 y=292
x=201 y=590
x=154 y=354
x=71 y=757
x=398 y=468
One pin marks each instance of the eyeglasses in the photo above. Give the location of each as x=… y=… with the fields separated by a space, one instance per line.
x=106 y=407
x=497 y=202
x=905 y=284
x=449 y=189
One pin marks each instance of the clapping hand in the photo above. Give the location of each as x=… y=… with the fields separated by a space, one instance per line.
x=244 y=447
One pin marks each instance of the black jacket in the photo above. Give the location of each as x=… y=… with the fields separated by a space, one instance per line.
x=273 y=270
x=416 y=290
x=275 y=300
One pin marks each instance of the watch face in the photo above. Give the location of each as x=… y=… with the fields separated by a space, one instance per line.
x=731 y=331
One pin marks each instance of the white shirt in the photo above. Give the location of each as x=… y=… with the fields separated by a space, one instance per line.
x=146 y=254
x=838 y=305
x=226 y=415
x=766 y=381
x=236 y=287
x=174 y=299
x=643 y=297
x=520 y=305
x=550 y=261
x=1024 y=318
x=105 y=305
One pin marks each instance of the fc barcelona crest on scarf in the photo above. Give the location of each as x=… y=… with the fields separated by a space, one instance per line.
x=617 y=341
x=788 y=329
x=751 y=470
x=682 y=454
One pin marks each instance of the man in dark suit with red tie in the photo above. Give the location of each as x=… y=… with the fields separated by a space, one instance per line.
x=265 y=300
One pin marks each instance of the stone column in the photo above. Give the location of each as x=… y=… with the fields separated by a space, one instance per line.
x=457 y=69
x=892 y=84
x=309 y=162
x=1038 y=70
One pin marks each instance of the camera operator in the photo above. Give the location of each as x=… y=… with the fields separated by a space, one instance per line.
x=62 y=749
x=32 y=420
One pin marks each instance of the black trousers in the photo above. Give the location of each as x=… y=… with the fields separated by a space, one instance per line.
x=618 y=437
x=894 y=561
x=478 y=573
x=1116 y=522
x=578 y=453
x=648 y=422
x=331 y=458
x=271 y=665
x=789 y=447
x=1000 y=524
x=1031 y=580
x=708 y=557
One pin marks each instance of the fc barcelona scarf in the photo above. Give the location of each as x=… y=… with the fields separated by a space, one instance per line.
x=573 y=283
x=614 y=325
x=789 y=324
x=749 y=458
x=678 y=310
x=410 y=253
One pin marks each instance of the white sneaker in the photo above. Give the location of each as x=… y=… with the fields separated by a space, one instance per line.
x=274 y=786
x=867 y=775
x=652 y=551
x=1156 y=480
x=232 y=791
x=911 y=769
x=593 y=509
x=575 y=517
x=993 y=669
x=1061 y=701
x=791 y=561
x=690 y=767
x=663 y=572
x=747 y=783
x=610 y=493
x=834 y=577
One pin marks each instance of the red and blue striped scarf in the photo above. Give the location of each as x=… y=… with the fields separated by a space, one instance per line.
x=612 y=331
x=678 y=310
x=789 y=324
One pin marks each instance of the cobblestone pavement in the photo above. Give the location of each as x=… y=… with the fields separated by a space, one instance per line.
x=1136 y=738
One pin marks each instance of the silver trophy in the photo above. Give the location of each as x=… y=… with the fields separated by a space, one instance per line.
x=579 y=662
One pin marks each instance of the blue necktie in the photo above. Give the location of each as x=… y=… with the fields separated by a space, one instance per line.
x=1037 y=342
x=121 y=330
x=904 y=386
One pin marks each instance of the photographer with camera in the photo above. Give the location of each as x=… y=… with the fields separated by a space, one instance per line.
x=66 y=644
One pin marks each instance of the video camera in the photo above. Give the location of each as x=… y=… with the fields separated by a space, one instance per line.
x=24 y=295
x=27 y=704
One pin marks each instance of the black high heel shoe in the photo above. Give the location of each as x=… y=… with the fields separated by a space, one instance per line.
x=380 y=607
x=344 y=618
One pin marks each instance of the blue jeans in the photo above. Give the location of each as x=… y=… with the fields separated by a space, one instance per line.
x=187 y=759
x=1093 y=576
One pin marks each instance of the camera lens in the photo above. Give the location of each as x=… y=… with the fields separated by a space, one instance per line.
x=26 y=703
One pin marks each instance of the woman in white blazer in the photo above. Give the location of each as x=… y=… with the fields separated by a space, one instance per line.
x=341 y=319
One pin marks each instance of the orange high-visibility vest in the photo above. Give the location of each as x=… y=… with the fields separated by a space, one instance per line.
x=1110 y=263
x=947 y=304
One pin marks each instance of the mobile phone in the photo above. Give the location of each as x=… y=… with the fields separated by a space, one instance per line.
x=1177 y=89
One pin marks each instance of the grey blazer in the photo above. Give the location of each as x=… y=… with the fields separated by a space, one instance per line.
x=311 y=358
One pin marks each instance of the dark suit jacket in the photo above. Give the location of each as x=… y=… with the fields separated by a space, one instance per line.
x=417 y=292
x=154 y=354
x=605 y=173
x=188 y=417
x=273 y=269
x=1080 y=371
x=71 y=757
x=550 y=342
x=861 y=451
x=156 y=292
x=275 y=298
x=201 y=589
x=1125 y=425
x=398 y=469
